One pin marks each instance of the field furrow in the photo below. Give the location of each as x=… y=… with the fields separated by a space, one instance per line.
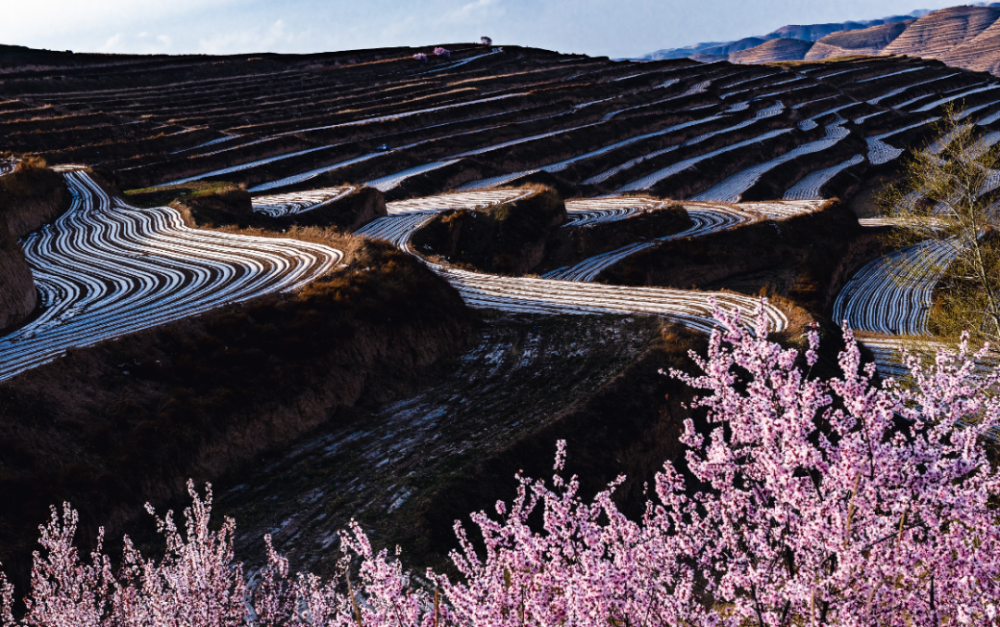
x=733 y=188
x=892 y=294
x=812 y=184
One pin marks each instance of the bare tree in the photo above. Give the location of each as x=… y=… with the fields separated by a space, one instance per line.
x=947 y=202
x=486 y=41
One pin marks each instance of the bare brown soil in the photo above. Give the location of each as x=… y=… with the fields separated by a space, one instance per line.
x=31 y=196
x=18 y=296
x=867 y=41
x=385 y=468
x=774 y=50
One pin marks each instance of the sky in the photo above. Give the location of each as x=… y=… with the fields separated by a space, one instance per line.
x=616 y=28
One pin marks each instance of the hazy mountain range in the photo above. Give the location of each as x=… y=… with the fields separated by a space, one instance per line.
x=965 y=36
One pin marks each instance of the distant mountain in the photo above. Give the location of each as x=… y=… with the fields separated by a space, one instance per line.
x=940 y=31
x=810 y=32
x=848 y=43
x=774 y=50
x=965 y=36
x=732 y=47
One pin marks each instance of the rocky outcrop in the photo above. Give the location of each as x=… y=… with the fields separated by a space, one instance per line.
x=774 y=50
x=870 y=41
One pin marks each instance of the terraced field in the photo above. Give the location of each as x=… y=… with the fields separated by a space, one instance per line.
x=554 y=296
x=892 y=294
x=722 y=170
x=302 y=133
x=106 y=269
x=294 y=130
x=707 y=219
x=674 y=128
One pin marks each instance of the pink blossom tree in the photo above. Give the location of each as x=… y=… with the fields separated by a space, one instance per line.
x=420 y=56
x=820 y=502
x=442 y=52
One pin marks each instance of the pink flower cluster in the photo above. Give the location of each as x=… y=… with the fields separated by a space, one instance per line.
x=836 y=502
x=442 y=52
x=420 y=56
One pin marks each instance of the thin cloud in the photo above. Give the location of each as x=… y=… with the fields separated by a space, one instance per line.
x=139 y=43
x=277 y=37
x=475 y=11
